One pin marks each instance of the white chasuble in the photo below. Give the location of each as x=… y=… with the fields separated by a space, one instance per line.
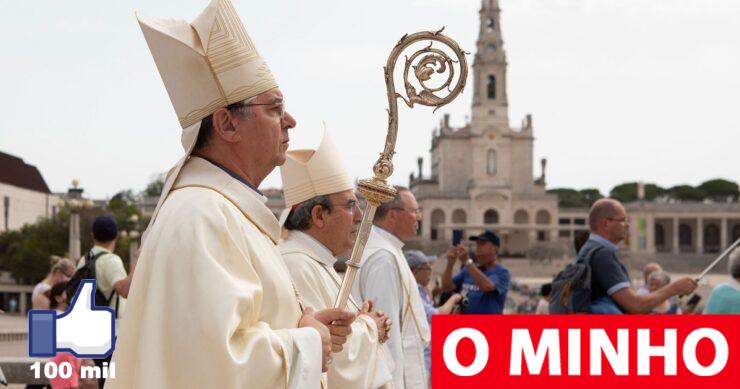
x=385 y=278
x=212 y=304
x=363 y=361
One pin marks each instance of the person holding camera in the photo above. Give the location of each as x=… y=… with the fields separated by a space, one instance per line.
x=484 y=283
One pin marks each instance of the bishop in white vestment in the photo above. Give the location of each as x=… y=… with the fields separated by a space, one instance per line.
x=212 y=304
x=321 y=222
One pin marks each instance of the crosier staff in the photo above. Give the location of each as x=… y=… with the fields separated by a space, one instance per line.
x=424 y=62
x=716 y=261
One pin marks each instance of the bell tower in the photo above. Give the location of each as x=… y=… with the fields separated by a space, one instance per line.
x=490 y=103
x=491 y=135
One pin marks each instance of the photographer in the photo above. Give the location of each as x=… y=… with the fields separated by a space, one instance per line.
x=486 y=282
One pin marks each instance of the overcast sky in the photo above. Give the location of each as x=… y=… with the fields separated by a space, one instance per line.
x=619 y=90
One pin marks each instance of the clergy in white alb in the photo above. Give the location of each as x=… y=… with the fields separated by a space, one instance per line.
x=320 y=222
x=386 y=279
x=212 y=304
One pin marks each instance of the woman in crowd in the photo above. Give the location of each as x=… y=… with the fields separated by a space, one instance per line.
x=61 y=271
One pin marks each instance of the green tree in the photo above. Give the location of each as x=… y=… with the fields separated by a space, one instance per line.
x=28 y=251
x=568 y=198
x=720 y=190
x=571 y=198
x=687 y=193
x=590 y=196
x=155 y=185
x=652 y=191
x=628 y=192
x=123 y=205
x=624 y=192
x=8 y=245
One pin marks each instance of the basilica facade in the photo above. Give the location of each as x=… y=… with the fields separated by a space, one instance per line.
x=482 y=174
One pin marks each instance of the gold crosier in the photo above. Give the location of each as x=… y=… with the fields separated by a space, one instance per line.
x=424 y=63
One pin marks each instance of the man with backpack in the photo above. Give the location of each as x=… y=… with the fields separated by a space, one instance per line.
x=105 y=266
x=598 y=282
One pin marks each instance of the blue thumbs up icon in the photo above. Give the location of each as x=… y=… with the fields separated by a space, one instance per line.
x=85 y=330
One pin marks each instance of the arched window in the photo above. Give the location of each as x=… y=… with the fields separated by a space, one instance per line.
x=491 y=162
x=521 y=217
x=459 y=217
x=711 y=235
x=438 y=218
x=542 y=217
x=684 y=235
x=490 y=217
x=659 y=235
x=491 y=87
x=490 y=24
x=711 y=238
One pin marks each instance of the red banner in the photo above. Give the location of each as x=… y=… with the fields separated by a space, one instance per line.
x=573 y=351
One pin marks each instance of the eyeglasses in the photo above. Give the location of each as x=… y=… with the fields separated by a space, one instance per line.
x=625 y=220
x=278 y=103
x=416 y=211
x=350 y=206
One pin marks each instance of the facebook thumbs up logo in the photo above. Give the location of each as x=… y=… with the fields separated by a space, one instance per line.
x=84 y=329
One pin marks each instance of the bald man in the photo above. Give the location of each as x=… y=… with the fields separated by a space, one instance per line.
x=611 y=286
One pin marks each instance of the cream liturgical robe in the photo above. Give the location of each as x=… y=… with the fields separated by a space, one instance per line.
x=212 y=303
x=386 y=279
x=363 y=362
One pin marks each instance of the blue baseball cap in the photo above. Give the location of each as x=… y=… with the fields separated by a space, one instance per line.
x=488 y=236
x=104 y=228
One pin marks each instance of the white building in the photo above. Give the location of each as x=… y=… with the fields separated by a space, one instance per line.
x=24 y=195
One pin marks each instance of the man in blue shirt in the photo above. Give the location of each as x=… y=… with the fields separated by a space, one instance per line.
x=611 y=287
x=484 y=283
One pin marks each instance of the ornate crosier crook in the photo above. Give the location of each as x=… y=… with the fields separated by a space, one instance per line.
x=425 y=63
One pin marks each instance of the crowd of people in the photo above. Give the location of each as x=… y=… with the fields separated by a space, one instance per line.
x=611 y=289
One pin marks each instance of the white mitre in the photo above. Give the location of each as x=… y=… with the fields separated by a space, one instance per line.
x=205 y=65
x=308 y=173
